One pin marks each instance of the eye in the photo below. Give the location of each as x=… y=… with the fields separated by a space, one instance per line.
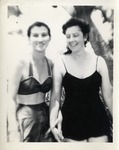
x=75 y=35
x=68 y=36
x=35 y=35
x=44 y=34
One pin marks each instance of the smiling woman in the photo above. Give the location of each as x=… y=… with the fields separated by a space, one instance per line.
x=83 y=75
x=31 y=80
x=39 y=37
x=78 y=38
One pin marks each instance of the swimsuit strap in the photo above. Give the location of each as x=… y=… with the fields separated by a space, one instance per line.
x=49 y=69
x=64 y=65
x=96 y=63
x=30 y=69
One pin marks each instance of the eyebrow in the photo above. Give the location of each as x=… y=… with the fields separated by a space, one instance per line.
x=40 y=33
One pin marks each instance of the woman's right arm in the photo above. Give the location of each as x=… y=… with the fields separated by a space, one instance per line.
x=55 y=100
x=13 y=86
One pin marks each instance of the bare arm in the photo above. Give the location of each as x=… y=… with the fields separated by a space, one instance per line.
x=13 y=89
x=55 y=99
x=106 y=86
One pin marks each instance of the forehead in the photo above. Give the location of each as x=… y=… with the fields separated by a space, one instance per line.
x=73 y=29
x=40 y=29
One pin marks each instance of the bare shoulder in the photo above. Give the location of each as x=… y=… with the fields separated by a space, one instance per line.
x=99 y=58
x=50 y=62
x=58 y=64
x=102 y=66
x=91 y=56
x=101 y=61
x=22 y=63
x=16 y=70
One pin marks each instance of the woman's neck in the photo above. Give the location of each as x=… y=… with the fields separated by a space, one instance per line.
x=38 y=57
x=79 y=53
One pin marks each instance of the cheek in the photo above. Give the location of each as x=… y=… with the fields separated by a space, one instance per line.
x=32 y=40
x=32 y=43
x=67 y=40
x=47 y=40
x=80 y=39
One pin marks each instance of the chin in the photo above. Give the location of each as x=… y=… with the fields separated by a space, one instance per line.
x=39 y=50
x=73 y=48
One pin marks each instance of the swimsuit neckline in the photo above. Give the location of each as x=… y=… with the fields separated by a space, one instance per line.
x=31 y=77
x=81 y=78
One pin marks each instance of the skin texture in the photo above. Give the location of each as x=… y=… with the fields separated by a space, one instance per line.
x=80 y=64
x=38 y=40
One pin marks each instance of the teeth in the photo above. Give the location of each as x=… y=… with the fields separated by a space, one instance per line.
x=40 y=44
x=73 y=44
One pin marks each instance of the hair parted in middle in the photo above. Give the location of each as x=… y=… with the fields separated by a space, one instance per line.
x=38 y=24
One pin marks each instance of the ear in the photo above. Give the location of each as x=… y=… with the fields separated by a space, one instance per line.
x=85 y=37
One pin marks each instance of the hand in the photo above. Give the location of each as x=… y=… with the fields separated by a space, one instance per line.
x=57 y=134
x=59 y=121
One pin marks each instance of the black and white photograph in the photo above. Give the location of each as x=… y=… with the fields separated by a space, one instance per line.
x=59 y=73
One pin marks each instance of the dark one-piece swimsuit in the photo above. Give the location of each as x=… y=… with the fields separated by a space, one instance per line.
x=84 y=113
x=34 y=119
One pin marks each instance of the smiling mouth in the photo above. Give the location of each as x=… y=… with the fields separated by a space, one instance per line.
x=41 y=44
x=73 y=44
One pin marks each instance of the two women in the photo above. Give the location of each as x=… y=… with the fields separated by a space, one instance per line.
x=83 y=75
x=32 y=79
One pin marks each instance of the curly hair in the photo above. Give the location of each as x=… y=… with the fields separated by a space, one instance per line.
x=82 y=24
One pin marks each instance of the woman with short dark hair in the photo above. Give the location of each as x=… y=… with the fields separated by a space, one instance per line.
x=83 y=75
x=31 y=81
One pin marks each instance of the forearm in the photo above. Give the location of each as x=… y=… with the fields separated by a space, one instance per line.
x=14 y=134
x=54 y=109
x=55 y=120
x=109 y=105
x=11 y=115
x=108 y=100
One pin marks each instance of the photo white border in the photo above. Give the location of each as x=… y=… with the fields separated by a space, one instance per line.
x=3 y=95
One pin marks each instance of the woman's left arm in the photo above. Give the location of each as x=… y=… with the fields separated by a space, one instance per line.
x=59 y=118
x=106 y=86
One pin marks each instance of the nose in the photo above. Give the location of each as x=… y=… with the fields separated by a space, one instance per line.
x=40 y=38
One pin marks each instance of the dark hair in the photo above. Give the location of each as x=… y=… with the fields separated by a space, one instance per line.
x=37 y=24
x=82 y=24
